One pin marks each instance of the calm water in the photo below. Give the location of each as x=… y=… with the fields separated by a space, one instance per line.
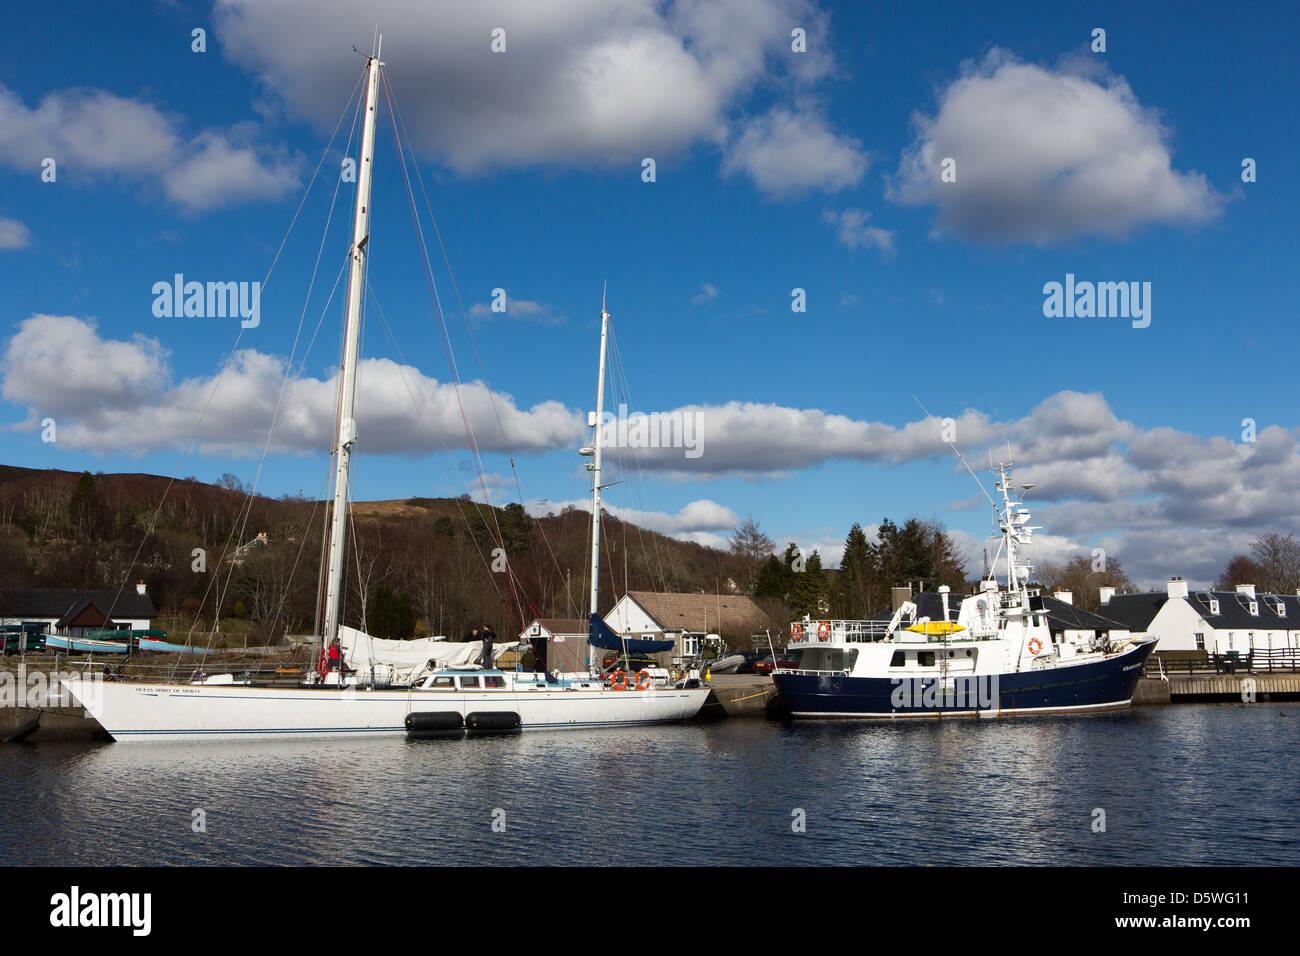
x=1179 y=785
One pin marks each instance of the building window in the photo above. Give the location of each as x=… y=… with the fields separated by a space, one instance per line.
x=1200 y=642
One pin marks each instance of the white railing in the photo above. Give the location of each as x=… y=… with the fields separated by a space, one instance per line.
x=840 y=632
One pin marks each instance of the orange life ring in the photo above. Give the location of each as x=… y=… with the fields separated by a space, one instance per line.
x=1035 y=645
x=619 y=680
x=797 y=630
x=824 y=630
x=646 y=674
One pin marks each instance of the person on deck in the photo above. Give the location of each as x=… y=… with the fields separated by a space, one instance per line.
x=335 y=655
x=487 y=636
x=472 y=634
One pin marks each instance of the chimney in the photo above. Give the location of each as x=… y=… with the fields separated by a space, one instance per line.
x=1106 y=594
x=1246 y=589
x=140 y=588
x=1066 y=596
x=1177 y=588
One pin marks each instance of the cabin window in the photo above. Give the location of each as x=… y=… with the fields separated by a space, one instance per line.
x=494 y=680
x=898 y=660
x=925 y=658
x=443 y=683
x=466 y=682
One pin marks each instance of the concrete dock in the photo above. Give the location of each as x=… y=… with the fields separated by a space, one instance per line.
x=741 y=695
x=1217 y=688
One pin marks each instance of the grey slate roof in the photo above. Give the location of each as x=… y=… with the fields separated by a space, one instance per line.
x=1138 y=610
x=58 y=602
x=1135 y=611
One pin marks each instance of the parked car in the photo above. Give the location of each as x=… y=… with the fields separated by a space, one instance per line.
x=751 y=658
x=766 y=665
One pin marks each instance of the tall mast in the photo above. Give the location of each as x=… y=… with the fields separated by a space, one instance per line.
x=594 y=465
x=346 y=435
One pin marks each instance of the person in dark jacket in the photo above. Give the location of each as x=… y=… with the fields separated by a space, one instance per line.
x=472 y=634
x=487 y=636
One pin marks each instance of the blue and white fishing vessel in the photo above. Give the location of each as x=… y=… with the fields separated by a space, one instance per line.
x=992 y=654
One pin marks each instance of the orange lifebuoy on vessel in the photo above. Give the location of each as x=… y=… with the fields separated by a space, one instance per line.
x=797 y=631
x=619 y=680
x=640 y=674
x=824 y=630
x=1035 y=645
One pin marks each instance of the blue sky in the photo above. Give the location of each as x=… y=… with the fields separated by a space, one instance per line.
x=774 y=170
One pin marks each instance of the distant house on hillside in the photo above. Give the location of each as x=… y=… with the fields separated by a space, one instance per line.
x=1217 y=622
x=686 y=618
x=74 y=613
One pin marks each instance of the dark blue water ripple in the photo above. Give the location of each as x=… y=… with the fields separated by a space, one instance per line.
x=1179 y=785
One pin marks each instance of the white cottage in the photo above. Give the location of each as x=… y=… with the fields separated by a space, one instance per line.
x=1216 y=622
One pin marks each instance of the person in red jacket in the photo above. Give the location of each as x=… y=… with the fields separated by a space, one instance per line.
x=335 y=655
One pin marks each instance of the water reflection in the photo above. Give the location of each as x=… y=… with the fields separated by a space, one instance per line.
x=1180 y=785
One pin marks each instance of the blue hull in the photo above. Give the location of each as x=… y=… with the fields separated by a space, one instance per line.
x=1104 y=685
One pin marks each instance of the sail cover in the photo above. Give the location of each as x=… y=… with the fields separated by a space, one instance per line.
x=406 y=658
x=601 y=635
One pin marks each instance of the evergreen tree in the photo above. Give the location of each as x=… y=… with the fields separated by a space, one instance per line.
x=853 y=590
x=390 y=616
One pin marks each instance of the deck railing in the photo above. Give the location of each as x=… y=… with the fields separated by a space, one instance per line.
x=1282 y=660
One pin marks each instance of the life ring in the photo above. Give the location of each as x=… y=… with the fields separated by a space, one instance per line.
x=640 y=674
x=797 y=630
x=824 y=630
x=1035 y=645
x=619 y=681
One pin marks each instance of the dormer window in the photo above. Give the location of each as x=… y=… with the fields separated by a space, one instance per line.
x=1254 y=609
x=1281 y=609
x=1214 y=606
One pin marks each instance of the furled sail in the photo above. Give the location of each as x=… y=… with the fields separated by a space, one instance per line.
x=601 y=635
x=401 y=660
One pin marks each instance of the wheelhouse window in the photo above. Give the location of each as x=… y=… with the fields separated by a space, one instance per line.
x=898 y=660
x=494 y=680
x=468 y=682
x=925 y=658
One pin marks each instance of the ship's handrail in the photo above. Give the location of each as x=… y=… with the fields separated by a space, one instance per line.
x=844 y=631
x=815 y=673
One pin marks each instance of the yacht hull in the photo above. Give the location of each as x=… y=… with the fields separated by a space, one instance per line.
x=1072 y=688
x=132 y=712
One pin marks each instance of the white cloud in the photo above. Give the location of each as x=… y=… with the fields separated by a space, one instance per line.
x=117 y=396
x=581 y=82
x=696 y=521
x=525 y=310
x=707 y=293
x=852 y=230
x=92 y=133
x=14 y=235
x=786 y=153
x=1043 y=155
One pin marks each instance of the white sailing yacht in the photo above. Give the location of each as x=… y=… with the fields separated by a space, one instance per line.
x=387 y=687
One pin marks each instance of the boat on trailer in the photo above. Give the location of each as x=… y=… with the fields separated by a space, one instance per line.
x=386 y=687
x=992 y=654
